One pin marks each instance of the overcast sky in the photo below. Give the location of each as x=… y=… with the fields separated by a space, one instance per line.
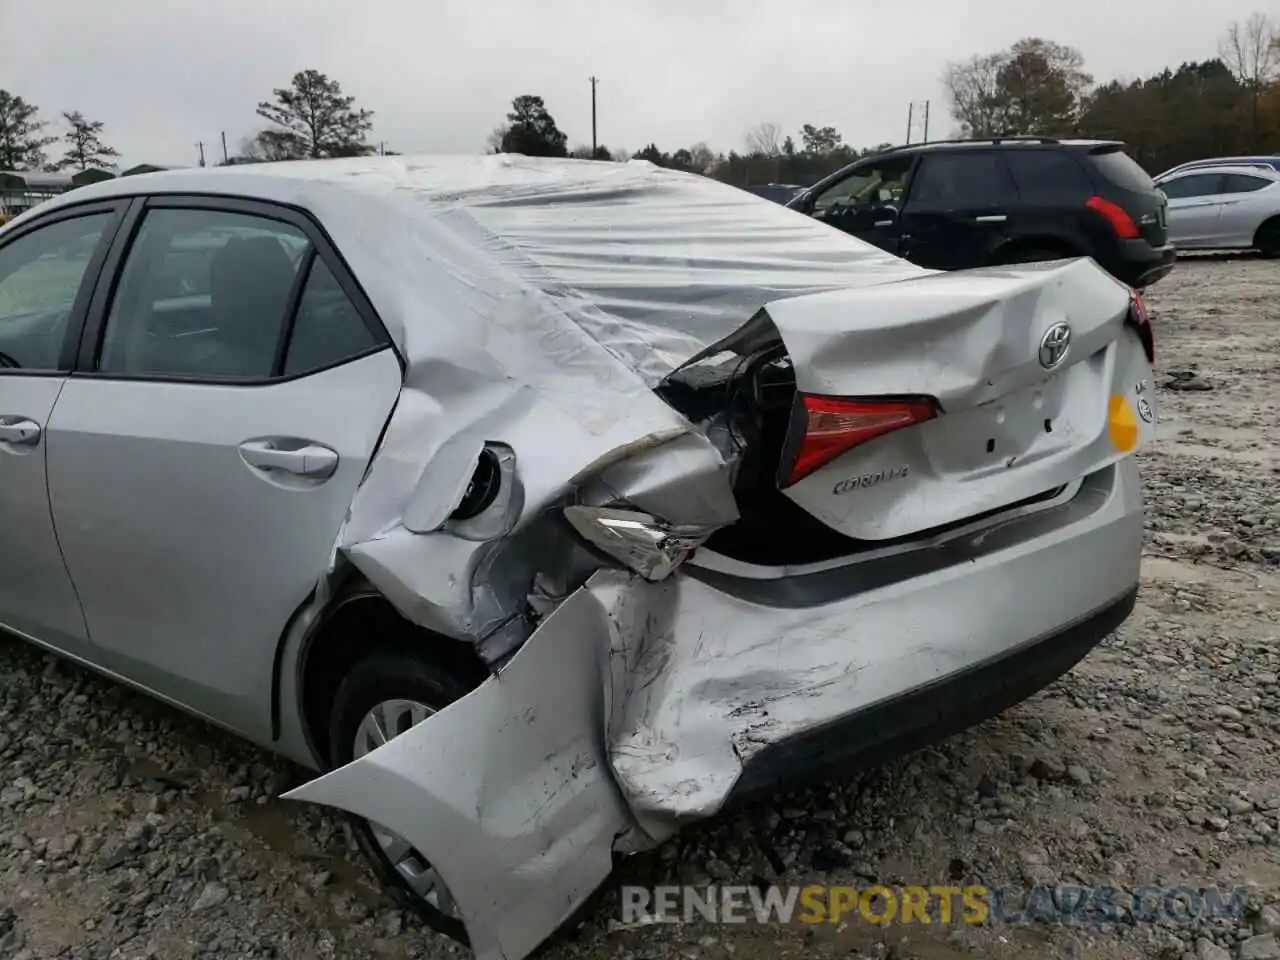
x=164 y=74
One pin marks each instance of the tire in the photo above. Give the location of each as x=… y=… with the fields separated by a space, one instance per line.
x=1267 y=239
x=380 y=678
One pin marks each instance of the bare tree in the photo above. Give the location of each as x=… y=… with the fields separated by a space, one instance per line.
x=269 y=146
x=496 y=138
x=701 y=158
x=1251 y=51
x=973 y=87
x=765 y=140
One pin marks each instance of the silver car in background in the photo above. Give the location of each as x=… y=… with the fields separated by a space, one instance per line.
x=546 y=506
x=1228 y=207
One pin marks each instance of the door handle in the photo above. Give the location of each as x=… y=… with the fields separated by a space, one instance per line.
x=314 y=461
x=19 y=431
x=992 y=218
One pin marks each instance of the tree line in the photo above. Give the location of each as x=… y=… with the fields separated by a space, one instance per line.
x=1220 y=106
x=25 y=144
x=1227 y=104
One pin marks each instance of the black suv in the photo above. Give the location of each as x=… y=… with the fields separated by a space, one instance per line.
x=969 y=203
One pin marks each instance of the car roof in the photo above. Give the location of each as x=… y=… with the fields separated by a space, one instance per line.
x=1266 y=162
x=1012 y=143
x=564 y=260
x=1265 y=173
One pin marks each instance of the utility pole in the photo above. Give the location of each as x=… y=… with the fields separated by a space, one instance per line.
x=914 y=116
x=225 y=158
x=200 y=147
x=594 y=81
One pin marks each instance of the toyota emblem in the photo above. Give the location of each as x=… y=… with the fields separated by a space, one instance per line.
x=1054 y=345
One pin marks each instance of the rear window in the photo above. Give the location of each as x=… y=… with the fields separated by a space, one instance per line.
x=1122 y=170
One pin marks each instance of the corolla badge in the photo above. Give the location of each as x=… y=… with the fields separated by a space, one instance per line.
x=1054 y=345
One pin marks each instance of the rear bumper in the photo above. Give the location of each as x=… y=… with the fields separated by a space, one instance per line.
x=932 y=712
x=1139 y=264
x=754 y=681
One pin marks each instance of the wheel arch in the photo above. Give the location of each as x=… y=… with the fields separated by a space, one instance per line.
x=1272 y=223
x=357 y=621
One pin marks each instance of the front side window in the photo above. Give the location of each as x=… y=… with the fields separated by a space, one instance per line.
x=1194 y=185
x=40 y=276
x=884 y=182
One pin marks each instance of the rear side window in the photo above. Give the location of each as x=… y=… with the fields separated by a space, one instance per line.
x=1043 y=175
x=1194 y=185
x=961 y=180
x=1122 y=170
x=328 y=329
x=1243 y=183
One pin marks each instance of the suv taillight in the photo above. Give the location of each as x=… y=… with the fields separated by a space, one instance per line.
x=1142 y=324
x=1114 y=214
x=833 y=425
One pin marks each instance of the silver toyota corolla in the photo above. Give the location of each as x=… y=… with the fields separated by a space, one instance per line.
x=546 y=506
x=1224 y=208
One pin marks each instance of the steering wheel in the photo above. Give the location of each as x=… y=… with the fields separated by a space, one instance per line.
x=8 y=361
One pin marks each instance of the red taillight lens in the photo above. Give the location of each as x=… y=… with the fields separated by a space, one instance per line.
x=1114 y=214
x=1142 y=324
x=833 y=425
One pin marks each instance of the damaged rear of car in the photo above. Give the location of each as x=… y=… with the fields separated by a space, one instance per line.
x=719 y=496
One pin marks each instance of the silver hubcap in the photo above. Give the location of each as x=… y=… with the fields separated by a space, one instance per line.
x=384 y=722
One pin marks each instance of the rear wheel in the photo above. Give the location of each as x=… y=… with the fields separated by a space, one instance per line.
x=1267 y=239
x=383 y=696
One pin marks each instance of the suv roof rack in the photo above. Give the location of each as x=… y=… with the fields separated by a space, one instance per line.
x=1009 y=139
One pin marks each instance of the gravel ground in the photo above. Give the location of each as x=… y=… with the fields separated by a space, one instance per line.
x=130 y=831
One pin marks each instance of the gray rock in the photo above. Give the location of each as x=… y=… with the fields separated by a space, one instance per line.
x=1206 y=949
x=1079 y=775
x=1238 y=806
x=1262 y=947
x=213 y=895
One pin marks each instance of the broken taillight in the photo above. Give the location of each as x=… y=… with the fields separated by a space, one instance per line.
x=1142 y=324
x=1116 y=216
x=833 y=425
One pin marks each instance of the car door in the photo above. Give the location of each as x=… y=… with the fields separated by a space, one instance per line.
x=230 y=389
x=1244 y=207
x=958 y=209
x=1195 y=205
x=864 y=203
x=47 y=272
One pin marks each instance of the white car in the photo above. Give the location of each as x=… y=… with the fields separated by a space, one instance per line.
x=1227 y=207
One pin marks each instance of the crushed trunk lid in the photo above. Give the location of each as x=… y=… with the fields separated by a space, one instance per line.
x=1016 y=414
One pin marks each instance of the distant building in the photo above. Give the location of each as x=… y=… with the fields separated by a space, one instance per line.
x=20 y=190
